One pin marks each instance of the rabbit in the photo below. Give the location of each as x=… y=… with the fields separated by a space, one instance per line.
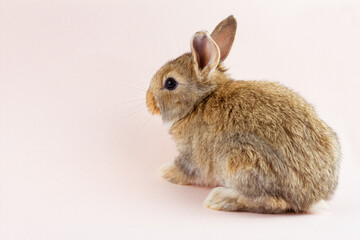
x=260 y=145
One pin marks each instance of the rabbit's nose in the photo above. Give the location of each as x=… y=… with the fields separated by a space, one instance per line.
x=151 y=103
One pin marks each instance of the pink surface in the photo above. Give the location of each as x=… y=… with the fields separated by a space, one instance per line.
x=79 y=152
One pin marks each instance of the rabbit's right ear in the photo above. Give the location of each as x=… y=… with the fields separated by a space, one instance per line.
x=224 y=35
x=205 y=54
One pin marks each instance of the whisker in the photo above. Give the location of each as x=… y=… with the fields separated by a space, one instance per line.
x=145 y=122
x=140 y=105
x=133 y=91
x=128 y=113
x=143 y=89
x=134 y=85
x=133 y=79
x=124 y=98
x=132 y=114
x=141 y=85
x=134 y=101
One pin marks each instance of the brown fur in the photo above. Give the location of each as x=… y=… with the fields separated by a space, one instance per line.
x=151 y=104
x=260 y=141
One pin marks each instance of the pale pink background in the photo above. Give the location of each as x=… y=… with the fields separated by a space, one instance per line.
x=78 y=151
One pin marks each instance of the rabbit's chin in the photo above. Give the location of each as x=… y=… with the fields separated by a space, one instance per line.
x=169 y=124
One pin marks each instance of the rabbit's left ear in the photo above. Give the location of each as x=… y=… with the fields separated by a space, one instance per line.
x=205 y=53
x=224 y=35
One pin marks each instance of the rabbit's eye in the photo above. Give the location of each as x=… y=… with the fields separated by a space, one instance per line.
x=170 y=84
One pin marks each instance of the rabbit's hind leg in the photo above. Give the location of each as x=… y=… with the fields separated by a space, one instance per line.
x=227 y=199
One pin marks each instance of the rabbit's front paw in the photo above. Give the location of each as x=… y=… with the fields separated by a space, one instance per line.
x=221 y=198
x=173 y=174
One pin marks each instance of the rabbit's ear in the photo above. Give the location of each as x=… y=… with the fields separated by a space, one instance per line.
x=205 y=53
x=224 y=35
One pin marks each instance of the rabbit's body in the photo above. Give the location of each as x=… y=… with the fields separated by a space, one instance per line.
x=261 y=139
x=260 y=143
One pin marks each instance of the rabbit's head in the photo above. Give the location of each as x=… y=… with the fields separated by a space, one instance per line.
x=183 y=83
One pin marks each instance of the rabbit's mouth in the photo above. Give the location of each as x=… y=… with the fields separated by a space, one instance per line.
x=151 y=104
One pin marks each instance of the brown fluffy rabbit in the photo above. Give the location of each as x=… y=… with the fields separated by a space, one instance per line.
x=260 y=144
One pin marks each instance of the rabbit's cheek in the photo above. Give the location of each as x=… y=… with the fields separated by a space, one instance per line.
x=151 y=104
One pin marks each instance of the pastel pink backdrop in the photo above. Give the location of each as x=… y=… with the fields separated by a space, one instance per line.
x=78 y=151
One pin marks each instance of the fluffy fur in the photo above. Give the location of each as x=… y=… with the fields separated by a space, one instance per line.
x=260 y=144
